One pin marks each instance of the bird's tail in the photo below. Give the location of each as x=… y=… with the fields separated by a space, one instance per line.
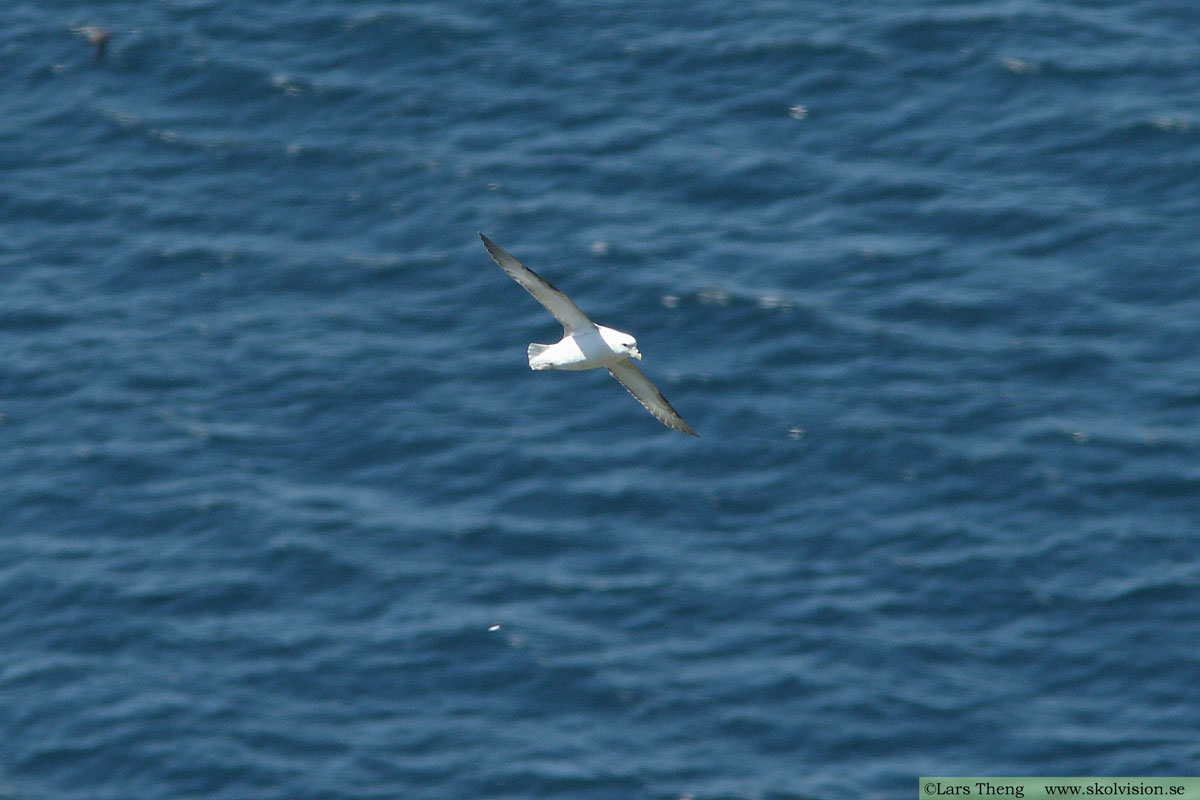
x=533 y=352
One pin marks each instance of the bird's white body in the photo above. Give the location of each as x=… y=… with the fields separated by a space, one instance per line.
x=584 y=349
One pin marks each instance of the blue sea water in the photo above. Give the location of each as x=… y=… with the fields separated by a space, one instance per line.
x=284 y=514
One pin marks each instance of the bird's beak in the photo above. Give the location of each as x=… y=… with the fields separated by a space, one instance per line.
x=637 y=354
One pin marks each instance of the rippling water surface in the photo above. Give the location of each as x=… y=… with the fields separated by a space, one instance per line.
x=284 y=514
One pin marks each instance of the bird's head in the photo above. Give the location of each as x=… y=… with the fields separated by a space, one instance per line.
x=621 y=343
x=629 y=347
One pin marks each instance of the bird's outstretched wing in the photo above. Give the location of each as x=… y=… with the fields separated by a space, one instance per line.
x=648 y=395
x=556 y=302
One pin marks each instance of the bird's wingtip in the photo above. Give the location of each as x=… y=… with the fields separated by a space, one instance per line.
x=491 y=246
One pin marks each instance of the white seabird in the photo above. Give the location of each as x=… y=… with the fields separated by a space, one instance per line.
x=586 y=345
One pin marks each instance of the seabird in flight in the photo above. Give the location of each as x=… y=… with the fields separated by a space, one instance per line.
x=586 y=345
